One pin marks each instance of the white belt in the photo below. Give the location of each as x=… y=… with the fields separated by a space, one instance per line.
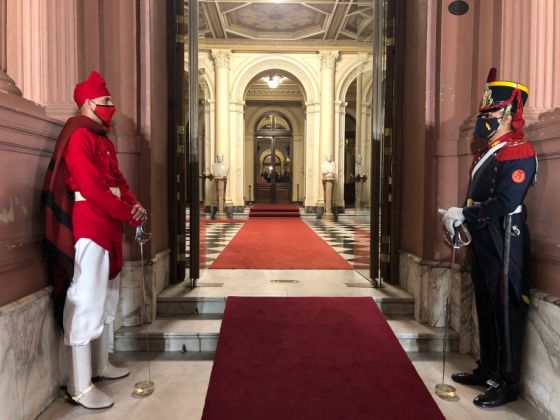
x=518 y=209
x=79 y=197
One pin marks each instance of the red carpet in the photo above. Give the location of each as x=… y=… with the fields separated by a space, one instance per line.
x=279 y=244
x=274 y=210
x=312 y=359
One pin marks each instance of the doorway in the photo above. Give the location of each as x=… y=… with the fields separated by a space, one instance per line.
x=273 y=160
x=365 y=40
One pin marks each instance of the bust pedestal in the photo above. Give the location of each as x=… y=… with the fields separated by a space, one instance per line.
x=221 y=183
x=328 y=187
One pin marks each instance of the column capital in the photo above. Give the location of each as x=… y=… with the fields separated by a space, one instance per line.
x=221 y=58
x=328 y=59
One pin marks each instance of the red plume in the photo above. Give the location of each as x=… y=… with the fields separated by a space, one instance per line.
x=518 y=122
x=491 y=75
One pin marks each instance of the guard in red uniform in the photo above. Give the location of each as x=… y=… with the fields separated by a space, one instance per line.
x=87 y=200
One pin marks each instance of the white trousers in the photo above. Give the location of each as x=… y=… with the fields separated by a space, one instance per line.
x=92 y=298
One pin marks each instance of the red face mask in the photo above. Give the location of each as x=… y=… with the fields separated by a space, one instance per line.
x=104 y=113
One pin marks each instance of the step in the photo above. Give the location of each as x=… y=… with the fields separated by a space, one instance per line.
x=277 y=207
x=199 y=333
x=183 y=305
x=273 y=214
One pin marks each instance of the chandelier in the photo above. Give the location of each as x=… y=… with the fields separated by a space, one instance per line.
x=274 y=81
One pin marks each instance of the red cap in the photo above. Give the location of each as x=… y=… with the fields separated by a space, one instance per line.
x=91 y=88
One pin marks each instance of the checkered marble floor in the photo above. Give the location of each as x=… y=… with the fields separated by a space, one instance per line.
x=349 y=236
x=216 y=237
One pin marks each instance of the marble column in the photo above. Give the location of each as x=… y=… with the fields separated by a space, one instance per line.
x=221 y=61
x=237 y=156
x=312 y=175
x=42 y=47
x=328 y=60
x=359 y=100
x=62 y=58
x=209 y=151
x=7 y=85
x=340 y=152
x=530 y=51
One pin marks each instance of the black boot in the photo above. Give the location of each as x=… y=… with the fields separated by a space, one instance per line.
x=478 y=376
x=496 y=396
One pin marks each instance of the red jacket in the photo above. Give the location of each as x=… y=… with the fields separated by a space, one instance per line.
x=92 y=168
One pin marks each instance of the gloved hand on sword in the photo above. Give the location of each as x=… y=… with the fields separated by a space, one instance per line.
x=452 y=218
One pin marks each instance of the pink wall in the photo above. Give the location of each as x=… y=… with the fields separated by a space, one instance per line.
x=447 y=59
x=27 y=138
x=543 y=202
x=109 y=40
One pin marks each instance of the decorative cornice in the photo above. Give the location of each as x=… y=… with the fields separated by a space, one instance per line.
x=221 y=58
x=275 y=92
x=263 y=45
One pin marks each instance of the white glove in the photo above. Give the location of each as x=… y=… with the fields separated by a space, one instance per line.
x=453 y=218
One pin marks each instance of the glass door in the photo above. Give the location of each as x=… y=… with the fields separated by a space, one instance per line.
x=177 y=151
x=273 y=169
x=265 y=168
x=283 y=170
x=195 y=186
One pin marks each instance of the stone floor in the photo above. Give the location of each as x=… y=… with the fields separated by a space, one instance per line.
x=182 y=380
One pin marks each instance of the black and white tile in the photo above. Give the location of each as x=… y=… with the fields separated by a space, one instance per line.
x=349 y=236
x=216 y=236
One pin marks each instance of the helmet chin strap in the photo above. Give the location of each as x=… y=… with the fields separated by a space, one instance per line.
x=505 y=113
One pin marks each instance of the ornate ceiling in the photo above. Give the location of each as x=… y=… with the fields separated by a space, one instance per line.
x=286 y=20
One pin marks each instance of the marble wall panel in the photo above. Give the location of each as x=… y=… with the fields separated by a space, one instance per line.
x=541 y=364
x=427 y=283
x=430 y=282
x=30 y=356
x=156 y=278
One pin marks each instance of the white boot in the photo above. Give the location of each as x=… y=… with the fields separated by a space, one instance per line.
x=80 y=387
x=101 y=366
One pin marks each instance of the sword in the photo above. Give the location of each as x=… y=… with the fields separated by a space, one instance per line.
x=505 y=277
x=461 y=237
x=143 y=388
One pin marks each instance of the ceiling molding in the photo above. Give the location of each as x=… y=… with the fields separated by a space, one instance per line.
x=287 y=20
x=304 y=45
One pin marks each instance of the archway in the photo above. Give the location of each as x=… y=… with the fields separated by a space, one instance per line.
x=304 y=117
x=274 y=121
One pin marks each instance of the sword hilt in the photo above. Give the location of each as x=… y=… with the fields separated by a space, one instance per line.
x=461 y=237
x=141 y=235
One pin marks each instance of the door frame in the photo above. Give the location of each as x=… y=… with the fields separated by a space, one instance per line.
x=176 y=151
x=273 y=136
x=386 y=148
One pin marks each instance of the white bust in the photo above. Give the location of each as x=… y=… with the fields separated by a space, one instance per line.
x=328 y=167
x=360 y=169
x=220 y=169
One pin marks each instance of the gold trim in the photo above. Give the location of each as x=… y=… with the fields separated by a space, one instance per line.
x=510 y=84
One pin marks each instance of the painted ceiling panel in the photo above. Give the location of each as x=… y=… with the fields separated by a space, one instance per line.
x=275 y=20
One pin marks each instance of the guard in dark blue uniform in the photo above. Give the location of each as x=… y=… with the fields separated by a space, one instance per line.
x=500 y=178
